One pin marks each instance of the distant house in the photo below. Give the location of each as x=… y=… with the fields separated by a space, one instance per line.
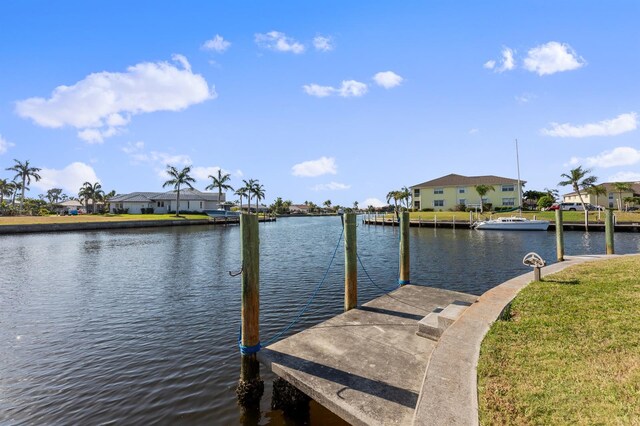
x=299 y=209
x=610 y=199
x=164 y=202
x=447 y=192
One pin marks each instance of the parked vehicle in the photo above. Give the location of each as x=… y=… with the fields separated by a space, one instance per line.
x=571 y=206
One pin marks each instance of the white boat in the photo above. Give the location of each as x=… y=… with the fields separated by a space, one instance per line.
x=514 y=223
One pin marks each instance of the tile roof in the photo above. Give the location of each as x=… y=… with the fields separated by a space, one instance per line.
x=149 y=197
x=459 y=180
x=635 y=187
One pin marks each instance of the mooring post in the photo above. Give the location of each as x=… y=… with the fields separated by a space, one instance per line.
x=559 y=236
x=609 y=230
x=404 y=277
x=250 y=386
x=350 y=262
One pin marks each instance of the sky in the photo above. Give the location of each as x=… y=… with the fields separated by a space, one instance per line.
x=332 y=100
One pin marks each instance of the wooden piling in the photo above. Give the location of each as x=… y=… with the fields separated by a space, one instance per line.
x=404 y=277
x=559 y=236
x=350 y=262
x=250 y=386
x=609 y=230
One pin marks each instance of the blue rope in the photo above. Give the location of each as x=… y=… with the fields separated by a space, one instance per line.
x=247 y=350
x=371 y=279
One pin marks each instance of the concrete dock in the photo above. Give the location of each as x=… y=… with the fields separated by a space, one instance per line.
x=405 y=358
x=366 y=365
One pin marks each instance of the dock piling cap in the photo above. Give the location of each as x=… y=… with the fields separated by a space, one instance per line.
x=534 y=260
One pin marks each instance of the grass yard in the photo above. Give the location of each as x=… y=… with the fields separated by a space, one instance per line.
x=570 y=354
x=28 y=220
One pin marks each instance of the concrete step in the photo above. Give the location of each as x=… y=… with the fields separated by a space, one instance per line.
x=428 y=327
x=434 y=324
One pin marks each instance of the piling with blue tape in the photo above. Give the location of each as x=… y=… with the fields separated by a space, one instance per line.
x=404 y=277
x=350 y=262
x=250 y=386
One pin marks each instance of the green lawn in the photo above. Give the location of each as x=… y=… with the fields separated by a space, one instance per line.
x=27 y=220
x=570 y=354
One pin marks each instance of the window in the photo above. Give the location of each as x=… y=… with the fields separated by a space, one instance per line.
x=416 y=205
x=200 y=204
x=438 y=191
x=160 y=203
x=188 y=206
x=462 y=201
x=462 y=190
x=416 y=192
x=508 y=188
x=438 y=203
x=508 y=201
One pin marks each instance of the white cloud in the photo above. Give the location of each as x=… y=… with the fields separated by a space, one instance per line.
x=275 y=40
x=625 y=177
x=70 y=178
x=217 y=44
x=352 y=88
x=621 y=124
x=323 y=44
x=331 y=186
x=375 y=202
x=474 y=131
x=620 y=156
x=4 y=145
x=158 y=160
x=507 y=60
x=202 y=173
x=313 y=168
x=507 y=63
x=490 y=64
x=318 y=91
x=102 y=103
x=551 y=58
x=348 y=89
x=525 y=98
x=387 y=79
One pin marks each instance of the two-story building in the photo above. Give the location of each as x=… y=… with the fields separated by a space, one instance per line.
x=612 y=197
x=447 y=192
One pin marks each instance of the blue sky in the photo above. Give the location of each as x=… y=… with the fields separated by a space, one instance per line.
x=318 y=100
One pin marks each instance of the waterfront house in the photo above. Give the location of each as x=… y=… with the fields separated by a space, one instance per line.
x=299 y=209
x=163 y=202
x=610 y=199
x=450 y=191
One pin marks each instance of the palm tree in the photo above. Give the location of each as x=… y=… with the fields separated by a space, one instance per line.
x=579 y=180
x=248 y=186
x=5 y=189
x=355 y=205
x=25 y=173
x=395 y=196
x=85 y=194
x=14 y=187
x=220 y=182
x=107 y=198
x=327 y=204
x=621 y=187
x=93 y=192
x=241 y=192
x=406 y=195
x=178 y=178
x=482 y=190
x=258 y=191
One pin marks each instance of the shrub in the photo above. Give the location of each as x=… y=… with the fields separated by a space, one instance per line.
x=426 y=209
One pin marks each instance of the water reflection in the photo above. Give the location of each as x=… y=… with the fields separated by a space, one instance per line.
x=140 y=326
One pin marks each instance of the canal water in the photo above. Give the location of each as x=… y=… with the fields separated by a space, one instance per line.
x=141 y=326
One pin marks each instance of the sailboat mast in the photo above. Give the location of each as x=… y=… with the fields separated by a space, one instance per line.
x=519 y=186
